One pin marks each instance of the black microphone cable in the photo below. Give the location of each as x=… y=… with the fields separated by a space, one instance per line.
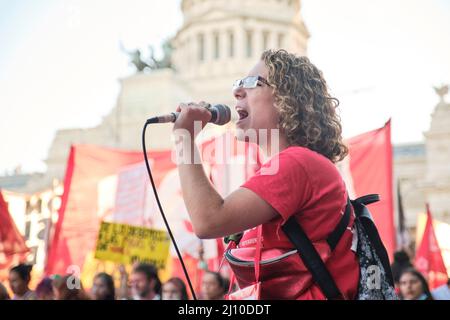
x=162 y=212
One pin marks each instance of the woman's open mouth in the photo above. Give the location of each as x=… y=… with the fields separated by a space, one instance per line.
x=242 y=114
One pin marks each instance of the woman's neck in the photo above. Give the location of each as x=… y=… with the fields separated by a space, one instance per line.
x=274 y=146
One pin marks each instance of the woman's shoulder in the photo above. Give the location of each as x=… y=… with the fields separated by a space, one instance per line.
x=301 y=151
x=305 y=157
x=299 y=163
x=313 y=164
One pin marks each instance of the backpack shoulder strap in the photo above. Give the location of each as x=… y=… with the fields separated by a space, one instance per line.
x=311 y=258
x=338 y=232
x=309 y=255
x=364 y=216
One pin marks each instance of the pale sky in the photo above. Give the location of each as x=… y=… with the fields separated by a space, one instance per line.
x=60 y=63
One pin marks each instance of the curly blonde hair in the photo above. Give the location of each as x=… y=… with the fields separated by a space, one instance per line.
x=307 y=110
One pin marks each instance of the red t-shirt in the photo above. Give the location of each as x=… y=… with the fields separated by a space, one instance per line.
x=309 y=186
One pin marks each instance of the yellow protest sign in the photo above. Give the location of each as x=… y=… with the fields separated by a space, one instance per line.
x=126 y=244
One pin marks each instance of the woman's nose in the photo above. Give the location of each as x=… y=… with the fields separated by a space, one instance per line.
x=239 y=93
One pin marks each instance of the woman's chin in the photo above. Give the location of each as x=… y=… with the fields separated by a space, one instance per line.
x=240 y=131
x=240 y=135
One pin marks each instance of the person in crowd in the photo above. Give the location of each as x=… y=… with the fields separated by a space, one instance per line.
x=103 y=287
x=401 y=262
x=414 y=286
x=44 y=289
x=19 y=280
x=174 y=289
x=69 y=287
x=145 y=283
x=442 y=292
x=214 y=286
x=4 y=295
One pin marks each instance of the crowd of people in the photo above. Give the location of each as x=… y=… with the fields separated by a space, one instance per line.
x=142 y=283
x=411 y=284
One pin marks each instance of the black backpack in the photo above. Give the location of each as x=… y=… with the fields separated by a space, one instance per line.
x=376 y=281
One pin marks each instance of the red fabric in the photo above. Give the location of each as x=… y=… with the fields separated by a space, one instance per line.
x=12 y=245
x=429 y=259
x=78 y=223
x=371 y=172
x=309 y=186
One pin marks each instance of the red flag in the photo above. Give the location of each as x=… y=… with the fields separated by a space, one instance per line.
x=369 y=170
x=13 y=249
x=93 y=174
x=429 y=259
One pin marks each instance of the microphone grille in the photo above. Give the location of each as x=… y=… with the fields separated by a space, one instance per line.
x=223 y=114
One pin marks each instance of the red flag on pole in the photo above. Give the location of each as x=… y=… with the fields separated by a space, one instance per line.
x=13 y=249
x=368 y=169
x=100 y=183
x=429 y=259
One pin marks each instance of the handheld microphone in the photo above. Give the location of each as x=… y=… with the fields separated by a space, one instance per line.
x=220 y=115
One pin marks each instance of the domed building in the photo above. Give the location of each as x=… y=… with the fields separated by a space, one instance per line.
x=221 y=39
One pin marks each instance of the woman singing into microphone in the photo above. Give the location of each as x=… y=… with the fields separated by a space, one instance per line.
x=288 y=93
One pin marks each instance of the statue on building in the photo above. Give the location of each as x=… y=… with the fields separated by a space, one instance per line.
x=137 y=61
x=152 y=63
x=441 y=91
